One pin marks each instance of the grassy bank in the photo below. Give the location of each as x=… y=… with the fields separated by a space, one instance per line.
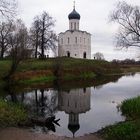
x=4 y=67
x=129 y=130
x=130 y=68
x=11 y=114
x=35 y=70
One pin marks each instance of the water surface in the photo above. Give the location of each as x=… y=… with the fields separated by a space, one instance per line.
x=80 y=110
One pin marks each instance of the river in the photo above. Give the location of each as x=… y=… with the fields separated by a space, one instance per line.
x=79 y=110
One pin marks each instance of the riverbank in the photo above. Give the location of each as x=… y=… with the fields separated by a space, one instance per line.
x=48 y=70
x=130 y=129
x=24 y=134
x=12 y=114
x=36 y=71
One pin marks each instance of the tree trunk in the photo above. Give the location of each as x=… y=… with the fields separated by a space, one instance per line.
x=42 y=47
x=42 y=39
x=37 y=44
x=2 y=51
x=36 y=50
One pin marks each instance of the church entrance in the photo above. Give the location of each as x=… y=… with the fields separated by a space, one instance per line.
x=68 y=54
x=84 y=55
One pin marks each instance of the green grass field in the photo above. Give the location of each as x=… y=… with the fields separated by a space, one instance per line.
x=62 y=65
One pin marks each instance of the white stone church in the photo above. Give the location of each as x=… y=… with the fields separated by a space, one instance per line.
x=74 y=42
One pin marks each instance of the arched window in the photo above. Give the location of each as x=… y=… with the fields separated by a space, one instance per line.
x=84 y=40
x=68 y=54
x=75 y=26
x=68 y=40
x=76 y=40
x=84 y=55
x=88 y=41
x=61 y=41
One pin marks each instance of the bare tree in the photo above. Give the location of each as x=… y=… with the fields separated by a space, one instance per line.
x=19 y=44
x=6 y=28
x=128 y=19
x=8 y=8
x=98 y=56
x=42 y=35
x=35 y=35
x=47 y=36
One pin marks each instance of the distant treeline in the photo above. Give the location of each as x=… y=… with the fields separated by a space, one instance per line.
x=126 y=61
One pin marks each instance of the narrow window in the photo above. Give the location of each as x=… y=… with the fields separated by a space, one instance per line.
x=75 y=25
x=84 y=40
x=68 y=40
x=80 y=39
x=61 y=41
x=76 y=40
x=71 y=25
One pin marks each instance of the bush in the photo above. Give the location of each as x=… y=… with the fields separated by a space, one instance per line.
x=131 y=108
x=11 y=114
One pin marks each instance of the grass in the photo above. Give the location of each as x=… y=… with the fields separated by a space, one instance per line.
x=36 y=70
x=130 y=68
x=123 y=131
x=131 y=108
x=129 y=130
x=31 y=70
x=11 y=114
x=37 y=80
x=4 y=67
x=65 y=64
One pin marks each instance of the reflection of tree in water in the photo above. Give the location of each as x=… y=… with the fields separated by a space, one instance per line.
x=41 y=105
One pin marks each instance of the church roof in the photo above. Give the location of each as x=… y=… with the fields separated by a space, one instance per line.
x=74 y=15
x=71 y=31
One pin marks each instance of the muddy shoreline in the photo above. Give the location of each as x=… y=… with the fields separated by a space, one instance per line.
x=25 y=134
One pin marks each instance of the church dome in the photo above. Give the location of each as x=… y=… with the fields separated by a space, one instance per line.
x=74 y=15
x=73 y=128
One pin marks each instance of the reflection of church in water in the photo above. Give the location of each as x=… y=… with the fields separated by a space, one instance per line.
x=45 y=103
x=74 y=103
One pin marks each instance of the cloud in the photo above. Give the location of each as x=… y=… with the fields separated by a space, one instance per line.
x=94 y=19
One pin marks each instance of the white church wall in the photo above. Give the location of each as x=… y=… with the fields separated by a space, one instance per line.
x=76 y=43
x=75 y=101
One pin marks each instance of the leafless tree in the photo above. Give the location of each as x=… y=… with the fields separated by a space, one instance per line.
x=19 y=44
x=6 y=28
x=8 y=8
x=128 y=18
x=98 y=56
x=35 y=35
x=44 y=36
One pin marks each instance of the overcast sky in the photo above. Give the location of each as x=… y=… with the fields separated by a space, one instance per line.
x=94 y=19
